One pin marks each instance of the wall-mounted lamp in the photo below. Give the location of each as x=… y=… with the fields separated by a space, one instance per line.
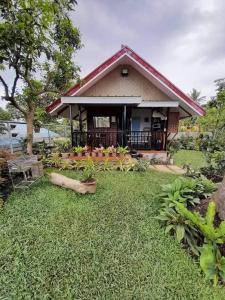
x=124 y=72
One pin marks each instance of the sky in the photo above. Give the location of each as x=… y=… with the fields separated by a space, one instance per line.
x=183 y=39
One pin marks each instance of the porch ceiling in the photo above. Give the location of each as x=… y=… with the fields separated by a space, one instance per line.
x=159 y=104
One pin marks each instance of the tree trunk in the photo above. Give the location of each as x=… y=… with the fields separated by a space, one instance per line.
x=72 y=184
x=29 y=120
x=219 y=198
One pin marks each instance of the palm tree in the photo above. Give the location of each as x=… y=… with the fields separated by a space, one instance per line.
x=195 y=95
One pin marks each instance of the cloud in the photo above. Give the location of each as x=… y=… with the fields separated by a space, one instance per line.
x=183 y=39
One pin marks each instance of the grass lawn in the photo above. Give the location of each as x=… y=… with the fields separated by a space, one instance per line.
x=55 y=244
x=195 y=158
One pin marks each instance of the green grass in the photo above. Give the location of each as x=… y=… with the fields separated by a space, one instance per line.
x=195 y=158
x=55 y=244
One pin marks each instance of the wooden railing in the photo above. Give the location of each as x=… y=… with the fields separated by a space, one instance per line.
x=138 y=140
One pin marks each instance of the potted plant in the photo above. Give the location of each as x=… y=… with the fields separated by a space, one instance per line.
x=78 y=150
x=99 y=151
x=106 y=152
x=172 y=149
x=88 y=179
x=112 y=150
x=94 y=153
x=71 y=153
x=122 y=151
x=63 y=145
x=86 y=150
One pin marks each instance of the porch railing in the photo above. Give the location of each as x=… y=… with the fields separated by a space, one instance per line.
x=137 y=140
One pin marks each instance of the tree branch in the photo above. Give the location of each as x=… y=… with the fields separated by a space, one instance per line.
x=14 y=85
x=5 y=86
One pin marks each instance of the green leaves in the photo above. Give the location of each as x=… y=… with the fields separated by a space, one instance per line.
x=186 y=190
x=212 y=263
x=180 y=231
x=182 y=228
x=208 y=261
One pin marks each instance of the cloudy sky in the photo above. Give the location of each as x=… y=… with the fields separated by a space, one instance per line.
x=183 y=39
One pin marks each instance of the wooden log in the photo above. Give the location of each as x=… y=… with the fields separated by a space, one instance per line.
x=219 y=198
x=72 y=184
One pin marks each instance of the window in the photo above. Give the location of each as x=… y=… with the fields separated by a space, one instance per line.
x=101 y=122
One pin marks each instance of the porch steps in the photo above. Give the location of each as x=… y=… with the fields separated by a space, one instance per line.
x=157 y=155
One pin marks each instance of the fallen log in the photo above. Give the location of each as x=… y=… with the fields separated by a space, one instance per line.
x=219 y=198
x=75 y=185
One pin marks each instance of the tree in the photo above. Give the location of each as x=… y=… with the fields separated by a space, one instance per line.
x=195 y=95
x=4 y=116
x=37 y=43
x=192 y=121
x=214 y=120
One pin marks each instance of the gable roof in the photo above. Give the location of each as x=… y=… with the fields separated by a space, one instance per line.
x=148 y=70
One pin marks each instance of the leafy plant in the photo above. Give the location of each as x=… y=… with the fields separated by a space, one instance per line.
x=106 y=151
x=215 y=169
x=122 y=150
x=99 y=150
x=141 y=165
x=89 y=171
x=211 y=261
x=105 y=166
x=187 y=191
x=66 y=164
x=173 y=147
x=62 y=144
x=181 y=227
x=54 y=160
x=77 y=149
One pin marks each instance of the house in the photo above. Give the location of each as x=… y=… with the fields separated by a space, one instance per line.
x=125 y=101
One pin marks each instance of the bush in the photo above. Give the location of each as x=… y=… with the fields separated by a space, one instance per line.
x=215 y=170
x=211 y=261
x=189 y=192
x=141 y=165
x=199 y=233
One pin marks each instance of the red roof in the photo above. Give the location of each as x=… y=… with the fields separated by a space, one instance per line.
x=145 y=65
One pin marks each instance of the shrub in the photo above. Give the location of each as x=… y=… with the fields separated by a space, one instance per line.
x=215 y=169
x=62 y=144
x=89 y=171
x=187 y=191
x=211 y=261
x=78 y=149
x=141 y=165
x=122 y=150
x=182 y=228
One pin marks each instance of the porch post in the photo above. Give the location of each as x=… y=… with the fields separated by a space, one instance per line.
x=124 y=125
x=71 y=123
x=80 y=118
x=166 y=135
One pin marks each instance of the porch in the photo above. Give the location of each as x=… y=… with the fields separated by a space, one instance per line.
x=120 y=121
x=135 y=140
